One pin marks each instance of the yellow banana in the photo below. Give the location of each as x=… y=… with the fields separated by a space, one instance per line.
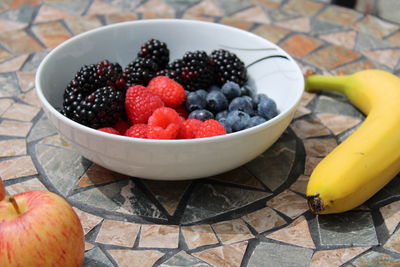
x=370 y=157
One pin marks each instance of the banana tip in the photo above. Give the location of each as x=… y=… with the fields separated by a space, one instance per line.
x=315 y=203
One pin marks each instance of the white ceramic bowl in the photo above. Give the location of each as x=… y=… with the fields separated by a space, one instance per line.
x=279 y=77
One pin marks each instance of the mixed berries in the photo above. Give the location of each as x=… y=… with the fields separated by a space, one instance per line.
x=199 y=95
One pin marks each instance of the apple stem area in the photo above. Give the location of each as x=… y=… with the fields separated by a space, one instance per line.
x=14 y=203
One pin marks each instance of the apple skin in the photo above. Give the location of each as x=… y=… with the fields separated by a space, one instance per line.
x=2 y=190
x=47 y=232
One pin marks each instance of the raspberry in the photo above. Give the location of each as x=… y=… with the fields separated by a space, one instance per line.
x=140 y=104
x=170 y=92
x=189 y=128
x=109 y=130
x=139 y=130
x=164 y=123
x=121 y=126
x=210 y=128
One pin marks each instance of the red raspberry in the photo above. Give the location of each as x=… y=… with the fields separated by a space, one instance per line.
x=121 y=126
x=170 y=92
x=164 y=123
x=189 y=128
x=109 y=130
x=139 y=130
x=210 y=128
x=140 y=104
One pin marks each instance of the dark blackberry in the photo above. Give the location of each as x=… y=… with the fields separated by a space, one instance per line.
x=140 y=71
x=102 y=108
x=228 y=67
x=192 y=71
x=157 y=51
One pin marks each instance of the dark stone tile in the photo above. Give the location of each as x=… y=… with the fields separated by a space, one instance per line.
x=41 y=129
x=369 y=42
x=182 y=259
x=335 y=105
x=373 y=259
x=33 y=63
x=232 y=6
x=23 y=15
x=272 y=255
x=347 y=229
x=390 y=191
x=96 y=258
x=321 y=26
x=9 y=85
x=127 y=5
x=209 y=200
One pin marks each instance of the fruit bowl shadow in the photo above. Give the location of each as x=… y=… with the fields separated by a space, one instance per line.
x=271 y=71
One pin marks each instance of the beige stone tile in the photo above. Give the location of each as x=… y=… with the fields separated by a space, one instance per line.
x=237 y=23
x=309 y=128
x=271 y=32
x=55 y=140
x=232 y=231
x=51 y=34
x=120 y=17
x=306 y=98
x=128 y=258
x=338 y=123
x=5 y=104
x=31 y=98
x=21 y=3
x=99 y=175
x=298 y=24
x=297 y=233
x=289 y=203
x=254 y=14
x=13 y=147
x=4 y=55
x=318 y=147
x=198 y=17
x=8 y=25
x=199 y=235
x=88 y=246
x=26 y=80
x=88 y=220
x=83 y=24
x=264 y=219
x=346 y=39
x=224 y=256
x=301 y=111
x=393 y=244
x=391 y=215
x=335 y=257
x=20 y=42
x=388 y=57
x=48 y=13
x=206 y=7
x=300 y=185
x=13 y=64
x=156 y=7
x=159 y=236
x=15 y=128
x=310 y=164
x=101 y=7
x=29 y=185
x=21 y=112
x=17 y=167
x=118 y=233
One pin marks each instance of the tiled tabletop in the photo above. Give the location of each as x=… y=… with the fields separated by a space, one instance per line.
x=255 y=215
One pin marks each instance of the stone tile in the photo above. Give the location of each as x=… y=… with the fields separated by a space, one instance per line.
x=306 y=98
x=17 y=167
x=289 y=203
x=169 y=193
x=278 y=15
x=51 y=34
x=15 y=128
x=339 y=15
x=199 y=235
x=391 y=215
x=159 y=236
x=42 y=128
x=253 y=14
x=4 y=55
x=335 y=257
x=198 y=17
x=239 y=176
x=317 y=147
x=157 y=7
x=21 y=112
x=369 y=42
x=20 y=42
x=96 y=257
x=320 y=26
x=271 y=33
x=232 y=6
x=337 y=123
x=297 y=24
x=373 y=258
x=345 y=229
x=143 y=258
x=375 y=26
x=394 y=38
x=29 y=185
x=346 y=39
x=209 y=200
x=55 y=140
x=300 y=45
x=48 y=13
x=393 y=243
x=309 y=127
x=101 y=7
x=304 y=7
x=356 y=66
x=21 y=3
x=184 y=259
x=331 y=105
x=301 y=111
x=61 y=173
x=120 y=17
x=13 y=64
x=390 y=192
x=152 y=15
x=75 y=7
x=388 y=57
x=33 y=62
x=297 y=233
x=237 y=23
x=13 y=147
x=310 y=164
x=271 y=255
x=22 y=15
x=228 y=255
x=270 y=4
x=31 y=98
x=273 y=166
x=118 y=233
x=300 y=186
x=9 y=25
x=232 y=231
x=5 y=104
x=83 y=24
x=332 y=56
x=96 y=175
x=26 y=80
x=88 y=246
x=206 y=7
x=264 y=219
x=88 y=220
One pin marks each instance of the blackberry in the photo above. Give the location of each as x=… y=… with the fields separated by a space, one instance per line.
x=102 y=108
x=193 y=71
x=228 y=67
x=157 y=51
x=140 y=71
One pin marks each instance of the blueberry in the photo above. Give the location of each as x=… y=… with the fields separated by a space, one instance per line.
x=231 y=90
x=237 y=120
x=213 y=88
x=221 y=115
x=202 y=93
x=242 y=103
x=227 y=127
x=256 y=120
x=258 y=97
x=267 y=108
x=216 y=101
x=201 y=114
x=246 y=90
x=195 y=100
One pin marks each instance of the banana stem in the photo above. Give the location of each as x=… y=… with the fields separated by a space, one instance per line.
x=326 y=83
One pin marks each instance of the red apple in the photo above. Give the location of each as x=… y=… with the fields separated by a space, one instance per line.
x=39 y=228
x=2 y=191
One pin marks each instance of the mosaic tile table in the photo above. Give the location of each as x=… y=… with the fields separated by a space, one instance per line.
x=255 y=215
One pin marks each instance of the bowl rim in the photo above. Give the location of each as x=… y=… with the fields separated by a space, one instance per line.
x=235 y=135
